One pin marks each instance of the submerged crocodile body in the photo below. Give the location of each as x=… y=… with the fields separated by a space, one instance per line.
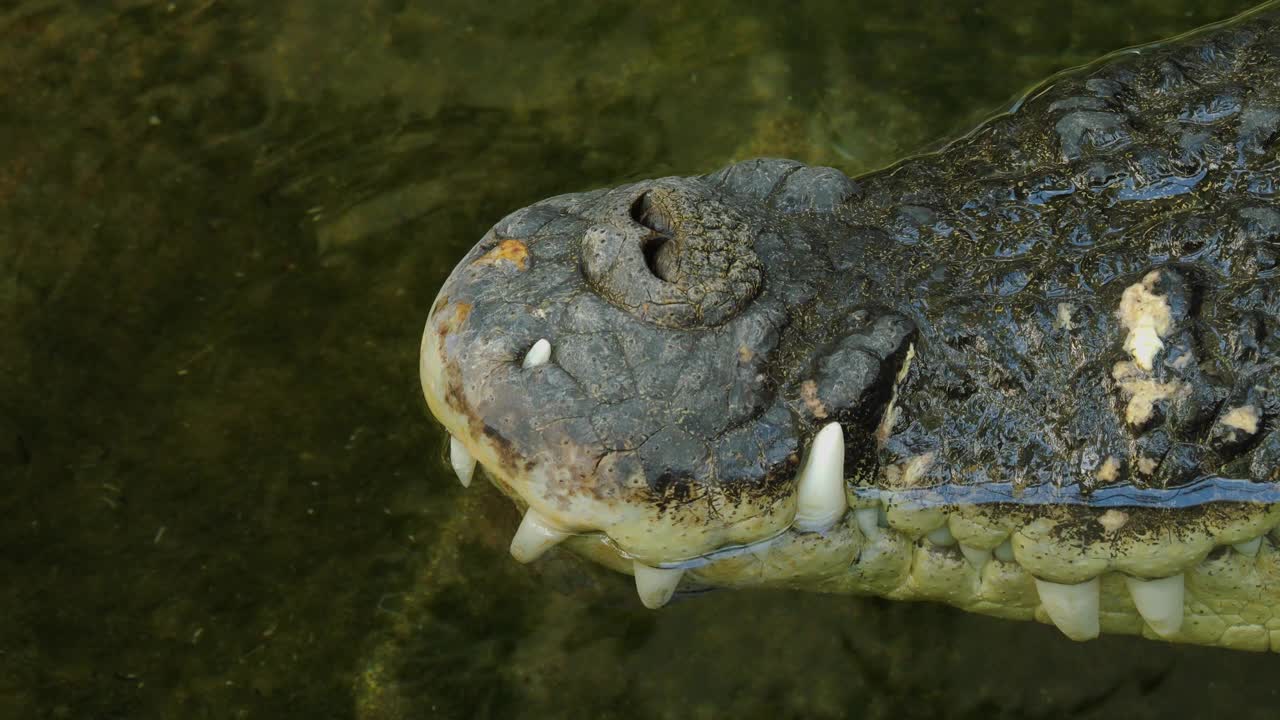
x=1032 y=375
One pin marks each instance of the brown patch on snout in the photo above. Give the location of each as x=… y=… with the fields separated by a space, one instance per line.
x=809 y=393
x=508 y=457
x=446 y=324
x=512 y=251
x=453 y=397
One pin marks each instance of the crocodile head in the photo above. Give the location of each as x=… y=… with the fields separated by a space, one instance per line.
x=1033 y=375
x=649 y=362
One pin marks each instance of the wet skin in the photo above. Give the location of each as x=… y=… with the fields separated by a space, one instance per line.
x=1053 y=343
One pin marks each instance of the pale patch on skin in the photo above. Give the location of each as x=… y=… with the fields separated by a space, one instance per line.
x=887 y=420
x=906 y=365
x=891 y=410
x=1242 y=418
x=1112 y=520
x=1143 y=392
x=1109 y=471
x=1063 y=320
x=1147 y=466
x=908 y=474
x=809 y=393
x=1148 y=317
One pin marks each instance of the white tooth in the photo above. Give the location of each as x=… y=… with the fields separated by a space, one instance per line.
x=1073 y=608
x=1249 y=547
x=942 y=537
x=977 y=558
x=655 y=585
x=460 y=458
x=1159 y=602
x=820 y=500
x=535 y=535
x=1004 y=552
x=868 y=521
x=538 y=354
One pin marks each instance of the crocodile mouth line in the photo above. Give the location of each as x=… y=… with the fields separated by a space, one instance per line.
x=1215 y=580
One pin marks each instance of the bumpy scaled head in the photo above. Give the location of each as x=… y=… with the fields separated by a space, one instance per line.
x=681 y=365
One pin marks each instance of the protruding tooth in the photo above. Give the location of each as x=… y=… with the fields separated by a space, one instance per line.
x=538 y=354
x=868 y=519
x=942 y=537
x=655 y=585
x=820 y=500
x=1072 y=608
x=460 y=458
x=1249 y=547
x=977 y=558
x=535 y=535
x=1004 y=552
x=1159 y=602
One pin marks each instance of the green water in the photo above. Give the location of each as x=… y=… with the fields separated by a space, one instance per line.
x=222 y=223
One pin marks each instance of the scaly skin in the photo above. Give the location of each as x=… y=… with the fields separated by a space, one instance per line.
x=1051 y=351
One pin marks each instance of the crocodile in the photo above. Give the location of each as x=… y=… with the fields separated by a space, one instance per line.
x=1032 y=374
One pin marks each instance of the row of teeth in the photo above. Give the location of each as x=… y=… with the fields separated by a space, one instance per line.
x=821 y=503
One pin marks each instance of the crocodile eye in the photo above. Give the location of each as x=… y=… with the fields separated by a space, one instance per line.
x=657 y=246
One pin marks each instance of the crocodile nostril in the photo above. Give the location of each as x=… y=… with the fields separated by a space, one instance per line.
x=659 y=256
x=672 y=254
x=659 y=251
x=650 y=215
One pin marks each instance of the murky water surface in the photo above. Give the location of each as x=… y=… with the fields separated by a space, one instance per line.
x=222 y=223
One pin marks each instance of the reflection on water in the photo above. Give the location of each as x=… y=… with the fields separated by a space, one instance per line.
x=221 y=226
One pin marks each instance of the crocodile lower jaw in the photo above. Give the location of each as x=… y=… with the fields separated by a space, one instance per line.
x=1226 y=597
